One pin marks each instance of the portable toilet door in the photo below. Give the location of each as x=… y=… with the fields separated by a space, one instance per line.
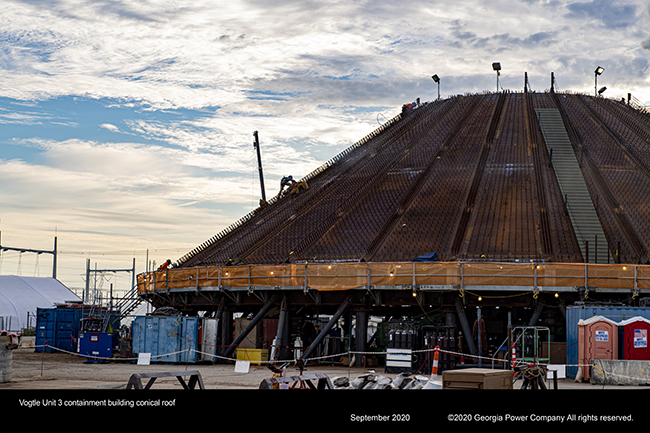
x=597 y=339
x=635 y=338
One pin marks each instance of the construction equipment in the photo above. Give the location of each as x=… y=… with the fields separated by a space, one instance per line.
x=95 y=344
x=256 y=145
x=529 y=342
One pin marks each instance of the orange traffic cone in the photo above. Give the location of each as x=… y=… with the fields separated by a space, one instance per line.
x=434 y=370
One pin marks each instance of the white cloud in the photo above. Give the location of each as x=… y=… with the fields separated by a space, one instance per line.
x=181 y=88
x=110 y=127
x=210 y=56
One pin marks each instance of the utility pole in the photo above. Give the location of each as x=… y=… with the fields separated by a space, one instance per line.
x=28 y=250
x=100 y=271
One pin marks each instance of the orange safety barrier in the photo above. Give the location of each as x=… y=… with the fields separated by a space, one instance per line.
x=443 y=275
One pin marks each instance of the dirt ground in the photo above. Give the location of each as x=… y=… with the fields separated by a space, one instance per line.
x=68 y=384
x=32 y=370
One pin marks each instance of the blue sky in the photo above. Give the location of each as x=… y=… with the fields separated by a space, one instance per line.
x=127 y=126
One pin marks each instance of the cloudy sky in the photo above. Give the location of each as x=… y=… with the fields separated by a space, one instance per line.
x=126 y=127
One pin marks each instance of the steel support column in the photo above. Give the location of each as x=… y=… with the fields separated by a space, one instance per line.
x=326 y=329
x=265 y=309
x=226 y=328
x=466 y=328
x=536 y=315
x=277 y=342
x=361 y=335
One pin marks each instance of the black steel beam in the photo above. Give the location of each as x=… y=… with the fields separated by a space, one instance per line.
x=326 y=329
x=277 y=343
x=270 y=303
x=361 y=334
x=466 y=328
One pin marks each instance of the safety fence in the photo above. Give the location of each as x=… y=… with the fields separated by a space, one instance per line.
x=434 y=275
x=489 y=361
x=597 y=366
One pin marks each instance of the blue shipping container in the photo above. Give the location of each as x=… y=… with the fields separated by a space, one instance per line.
x=576 y=313
x=60 y=327
x=57 y=328
x=45 y=323
x=169 y=339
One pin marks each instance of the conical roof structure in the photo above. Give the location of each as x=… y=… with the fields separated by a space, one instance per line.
x=543 y=177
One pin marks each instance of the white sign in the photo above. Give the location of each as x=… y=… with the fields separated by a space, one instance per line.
x=144 y=358
x=640 y=338
x=602 y=335
x=242 y=366
x=560 y=368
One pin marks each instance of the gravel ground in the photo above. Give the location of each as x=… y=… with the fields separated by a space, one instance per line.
x=70 y=385
x=32 y=370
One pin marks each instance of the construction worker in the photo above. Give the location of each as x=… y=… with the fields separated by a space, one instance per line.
x=286 y=181
x=294 y=187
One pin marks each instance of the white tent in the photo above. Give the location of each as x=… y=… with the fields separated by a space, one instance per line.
x=22 y=295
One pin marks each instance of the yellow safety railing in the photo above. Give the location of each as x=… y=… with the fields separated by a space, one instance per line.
x=346 y=276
